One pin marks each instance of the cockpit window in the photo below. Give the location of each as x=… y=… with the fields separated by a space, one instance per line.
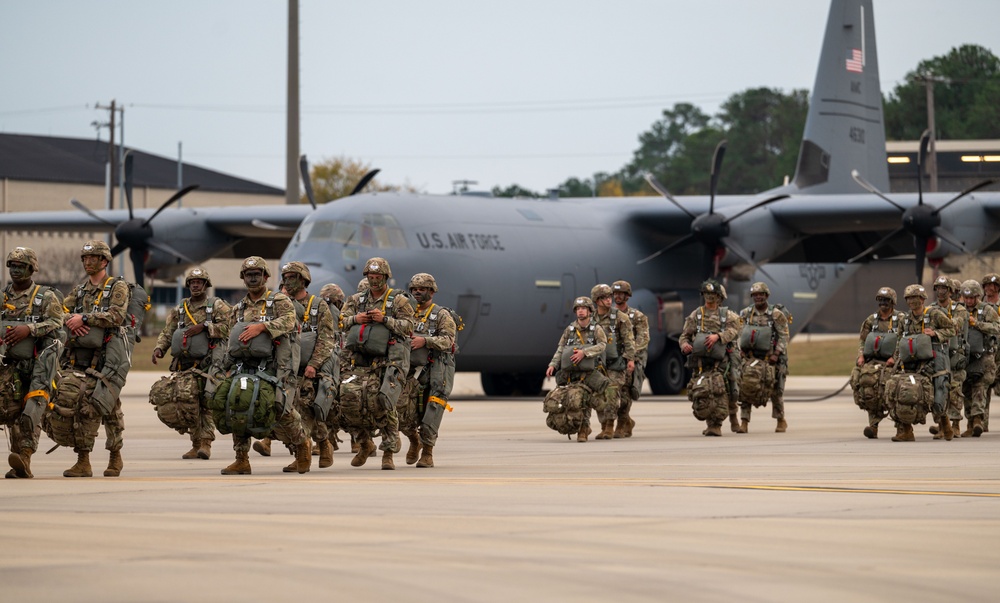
x=379 y=231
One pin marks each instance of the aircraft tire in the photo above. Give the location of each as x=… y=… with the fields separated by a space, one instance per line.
x=667 y=374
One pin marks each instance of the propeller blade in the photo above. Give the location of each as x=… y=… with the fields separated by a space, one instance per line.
x=138 y=257
x=364 y=181
x=89 y=212
x=743 y=255
x=971 y=189
x=118 y=248
x=871 y=189
x=658 y=187
x=678 y=243
x=756 y=205
x=920 y=248
x=951 y=239
x=268 y=226
x=171 y=200
x=876 y=246
x=160 y=245
x=129 y=159
x=306 y=180
x=720 y=152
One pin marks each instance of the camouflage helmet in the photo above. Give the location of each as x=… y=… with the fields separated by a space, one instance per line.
x=332 y=293
x=942 y=281
x=377 y=266
x=760 y=287
x=422 y=279
x=584 y=302
x=711 y=286
x=297 y=268
x=971 y=288
x=599 y=291
x=255 y=262
x=363 y=285
x=886 y=292
x=622 y=287
x=956 y=286
x=25 y=255
x=722 y=292
x=196 y=273
x=992 y=277
x=98 y=248
x=915 y=291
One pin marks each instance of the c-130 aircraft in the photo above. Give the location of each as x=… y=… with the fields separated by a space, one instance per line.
x=512 y=267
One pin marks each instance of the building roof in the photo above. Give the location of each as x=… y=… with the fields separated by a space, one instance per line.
x=78 y=160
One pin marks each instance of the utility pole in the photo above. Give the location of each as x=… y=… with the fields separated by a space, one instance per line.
x=292 y=110
x=112 y=160
x=928 y=80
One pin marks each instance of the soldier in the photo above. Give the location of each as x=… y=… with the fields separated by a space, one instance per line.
x=196 y=329
x=991 y=297
x=984 y=328
x=333 y=295
x=946 y=292
x=707 y=334
x=619 y=358
x=912 y=357
x=579 y=360
x=32 y=319
x=764 y=338
x=877 y=344
x=622 y=291
x=271 y=315
x=432 y=371
x=98 y=307
x=377 y=323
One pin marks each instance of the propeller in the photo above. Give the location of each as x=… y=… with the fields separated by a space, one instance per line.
x=136 y=234
x=922 y=220
x=712 y=229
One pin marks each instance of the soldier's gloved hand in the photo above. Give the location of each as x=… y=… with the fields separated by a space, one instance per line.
x=16 y=334
x=157 y=353
x=194 y=329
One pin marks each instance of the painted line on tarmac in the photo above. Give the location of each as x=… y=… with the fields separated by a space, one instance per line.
x=842 y=490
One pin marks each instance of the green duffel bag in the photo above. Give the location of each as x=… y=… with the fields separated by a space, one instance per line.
x=718 y=351
x=244 y=405
x=880 y=346
x=261 y=346
x=756 y=338
x=92 y=340
x=370 y=339
x=566 y=362
x=195 y=347
x=22 y=350
x=915 y=347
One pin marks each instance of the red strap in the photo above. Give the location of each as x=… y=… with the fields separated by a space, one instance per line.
x=910 y=343
x=361 y=333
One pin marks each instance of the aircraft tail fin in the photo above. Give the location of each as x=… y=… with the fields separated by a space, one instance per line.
x=844 y=128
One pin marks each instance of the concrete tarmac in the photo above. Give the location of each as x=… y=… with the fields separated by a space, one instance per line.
x=515 y=512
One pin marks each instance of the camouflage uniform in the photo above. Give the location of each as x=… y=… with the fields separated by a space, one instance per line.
x=982 y=367
x=726 y=324
x=640 y=334
x=334 y=298
x=385 y=375
x=877 y=409
x=777 y=320
x=592 y=340
x=40 y=310
x=188 y=313
x=990 y=281
x=957 y=351
x=430 y=378
x=315 y=316
x=620 y=351
x=105 y=364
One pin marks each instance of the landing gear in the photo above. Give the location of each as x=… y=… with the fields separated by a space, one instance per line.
x=512 y=384
x=667 y=375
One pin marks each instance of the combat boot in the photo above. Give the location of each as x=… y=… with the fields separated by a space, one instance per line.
x=355 y=447
x=744 y=426
x=365 y=449
x=968 y=430
x=20 y=463
x=241 y=466
x=904 y=434
x=620 y=429
x=583 y=433
x=781 y=427
x=387 y=464
x=82 y=466
x=426 y=457
x=292 y=467
x=263 y=447
x=303 y=456
x=205 y=449
x=946 y=430
x=934 y=430
x=325 y=454
x=871 y=432
x=977 y=426
x=115 y=464
x=413 y=452
x=714 y=429
x=193 y=453
x=956 y=428
x=630 y=423
x=607 y=430
x=734 y=425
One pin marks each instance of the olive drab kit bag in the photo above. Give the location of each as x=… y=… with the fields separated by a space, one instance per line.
x=360 y=407
x=73 y=401
x=708 y=394
x=244 y=405
x=909 y=397
x=868 y=383
x=565 y=407
x=757 y=381
x=177 y=399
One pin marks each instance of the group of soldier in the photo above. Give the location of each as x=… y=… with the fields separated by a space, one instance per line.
x=285 y=365
x=939 y=358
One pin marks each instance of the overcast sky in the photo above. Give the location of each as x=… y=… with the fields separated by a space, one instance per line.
x=515 y=91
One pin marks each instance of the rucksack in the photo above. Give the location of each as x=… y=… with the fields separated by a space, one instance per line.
x=756 y=381
x=73 y=389
x=565 y=406
x=177 y=399
x=909 y=396
x=868 y=383
x=244 y=405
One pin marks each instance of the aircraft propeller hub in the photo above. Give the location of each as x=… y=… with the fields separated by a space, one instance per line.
x=710 y=228
x=921 y=220
x=133 y=233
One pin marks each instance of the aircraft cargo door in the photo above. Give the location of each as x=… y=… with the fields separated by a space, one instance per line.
x=468 y=309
